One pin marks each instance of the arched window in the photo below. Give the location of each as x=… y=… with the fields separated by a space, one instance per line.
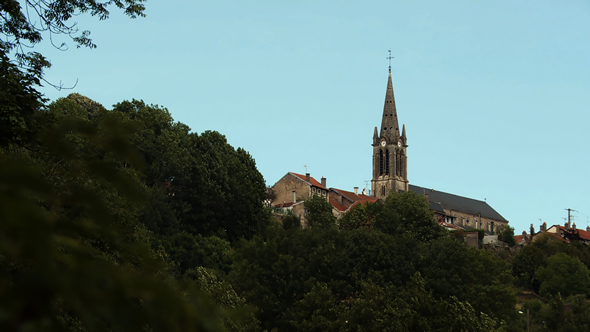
x=398 y=164
x=386 y=162
x=380 y=162
x=382 y=190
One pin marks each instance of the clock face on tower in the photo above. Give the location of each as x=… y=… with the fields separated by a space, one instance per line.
x=383 y=143
x=399 y=144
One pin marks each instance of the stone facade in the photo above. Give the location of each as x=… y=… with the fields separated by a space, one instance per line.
x=390 y=155
x=293 y=189
x=469 y=220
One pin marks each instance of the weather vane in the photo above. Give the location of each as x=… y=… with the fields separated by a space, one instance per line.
x=389 y=57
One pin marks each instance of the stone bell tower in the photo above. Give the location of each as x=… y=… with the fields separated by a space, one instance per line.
x=390 y=159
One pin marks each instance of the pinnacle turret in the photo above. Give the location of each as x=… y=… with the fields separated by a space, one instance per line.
x=404 y=134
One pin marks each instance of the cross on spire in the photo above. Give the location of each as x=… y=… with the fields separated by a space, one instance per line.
x=389 y=57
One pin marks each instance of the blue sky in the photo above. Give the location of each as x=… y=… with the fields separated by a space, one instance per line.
x=494 y=94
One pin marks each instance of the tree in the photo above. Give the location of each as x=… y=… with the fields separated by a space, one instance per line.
x=23 y=23
x=475 y=276
x=291 y=222
x=74 y=256
x=563 y=275
x=361 y=215
x=506 y=234
x=19 y=101
x=525 y=264
x=319 y=212
x=408 y=213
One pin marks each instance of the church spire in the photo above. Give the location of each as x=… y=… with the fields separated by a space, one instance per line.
x=389 y=123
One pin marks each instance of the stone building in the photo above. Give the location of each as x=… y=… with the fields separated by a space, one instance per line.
x=292 y=189
x=342 y=200
x=390 y=173
x=390 y=159
x=568 y=233
x=463 y=211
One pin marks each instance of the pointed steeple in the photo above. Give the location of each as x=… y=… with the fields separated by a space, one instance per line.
x=389 y=123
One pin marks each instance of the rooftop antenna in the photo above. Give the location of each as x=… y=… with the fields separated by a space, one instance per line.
x=305 y=168
x=389 y=58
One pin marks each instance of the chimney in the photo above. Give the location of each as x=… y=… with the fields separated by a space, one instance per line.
x=526 y=237
x=574 y=226
x=324 y=182
x=356 y=190
x=307 y=177
x=294 y=197
x=587 y=228
x=544 y=227
x=567 y=226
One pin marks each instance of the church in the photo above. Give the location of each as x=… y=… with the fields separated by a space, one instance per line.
x=390 y=173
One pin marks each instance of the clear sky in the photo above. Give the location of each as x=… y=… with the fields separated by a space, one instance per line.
x=495 y=95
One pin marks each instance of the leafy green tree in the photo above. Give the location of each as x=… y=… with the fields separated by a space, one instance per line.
x=283 y=267
x=319 y=212
x=192 y=251
x=317 y=311
x=291 y=222
x=408 y=213
x=506 y=234
x=471 y=275
x=223 y=295
x=73 y=253
x=19 y=102
x=361 y=215
x=23 y=23
x=563 y=275
x=524 y=265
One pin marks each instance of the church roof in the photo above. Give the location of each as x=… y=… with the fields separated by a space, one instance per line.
x=459 y=203
x=436 y=206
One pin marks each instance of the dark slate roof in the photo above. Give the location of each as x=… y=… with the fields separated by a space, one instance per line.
x=459 y=203
x=436 y=206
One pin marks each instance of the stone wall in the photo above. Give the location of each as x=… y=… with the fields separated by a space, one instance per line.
x=468 y=220
x=285 y=187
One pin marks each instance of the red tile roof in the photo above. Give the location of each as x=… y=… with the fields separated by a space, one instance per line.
x=354 y=197
x=518 y=239
x=312 y=181
x=337 y=205
x=556 y=236
x=284 y=204
x=583 y=234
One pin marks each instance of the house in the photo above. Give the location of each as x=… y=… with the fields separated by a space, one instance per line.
x=564 y=233
x=342 y=201
x=293 y=189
